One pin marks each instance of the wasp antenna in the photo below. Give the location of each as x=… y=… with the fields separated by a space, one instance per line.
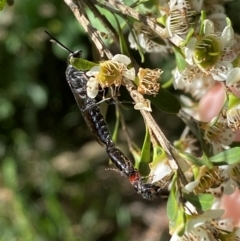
x=54 y=40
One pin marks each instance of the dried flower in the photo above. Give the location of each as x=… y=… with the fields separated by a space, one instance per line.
x=148 y=81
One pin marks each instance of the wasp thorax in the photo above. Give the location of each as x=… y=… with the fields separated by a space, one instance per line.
x=207 y=52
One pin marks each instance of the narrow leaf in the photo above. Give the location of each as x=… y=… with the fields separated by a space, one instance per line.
x=116 y=128
x=145 y=154
x=230 y=156
x=198 y=161
x=189 y=157
x=189 y=35
x=139 y=48
x=136 y=156
x=175 y=212
x=172 y=206
x=123 y=44
x=180 y=60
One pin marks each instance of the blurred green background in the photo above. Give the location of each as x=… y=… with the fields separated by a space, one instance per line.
x=53 y=179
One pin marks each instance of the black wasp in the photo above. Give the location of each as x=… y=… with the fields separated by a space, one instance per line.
x=77 y=81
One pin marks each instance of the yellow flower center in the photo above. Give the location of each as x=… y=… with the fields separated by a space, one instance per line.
x=207 y=52
x=110 y=73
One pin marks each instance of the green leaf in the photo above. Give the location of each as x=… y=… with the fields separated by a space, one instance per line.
x=202 y=202
x=2 y=4
x=198 y=161
x=123 y=44
x=137 y=156
x=189 y=157
x=230 y=156
x=82 y=64
x=189 y=35
x=145 y=154
x=233 y=101
x=167 y=84
x=172 y=206
x=181 y=221
x=175 y=212
x=202 y=18
x=116 y=128
x=180 y=59
x=158 y=155
x=166 y=102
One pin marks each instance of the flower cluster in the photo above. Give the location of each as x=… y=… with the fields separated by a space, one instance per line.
x=207 y=66
x=203 y=165
x=110 y=73
x=209 y=61
x=142 y=37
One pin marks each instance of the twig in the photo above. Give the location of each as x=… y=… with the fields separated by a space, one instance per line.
x=150 y=122
x=121 y=9
x=104 y=21
x=78 y=11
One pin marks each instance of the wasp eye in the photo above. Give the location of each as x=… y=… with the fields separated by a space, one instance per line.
x=77 y=54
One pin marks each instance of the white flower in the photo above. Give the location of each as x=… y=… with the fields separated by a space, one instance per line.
x=206 y=62
x=217 y=131
x=92 y=88
x=145 y=39
x=221 y=70
x=207 y=52
x=233 y=78
x=193 y=81
x=227 y=38
x=178 y=18
x=161 y=167
x=109 y=73
x=120 y=58
x=233 y=116
x=199 y=228
x=160 y=171
x=189 y=50
x=191 y=186
x=230 y=173
x=218 y=17
x=208 y=27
